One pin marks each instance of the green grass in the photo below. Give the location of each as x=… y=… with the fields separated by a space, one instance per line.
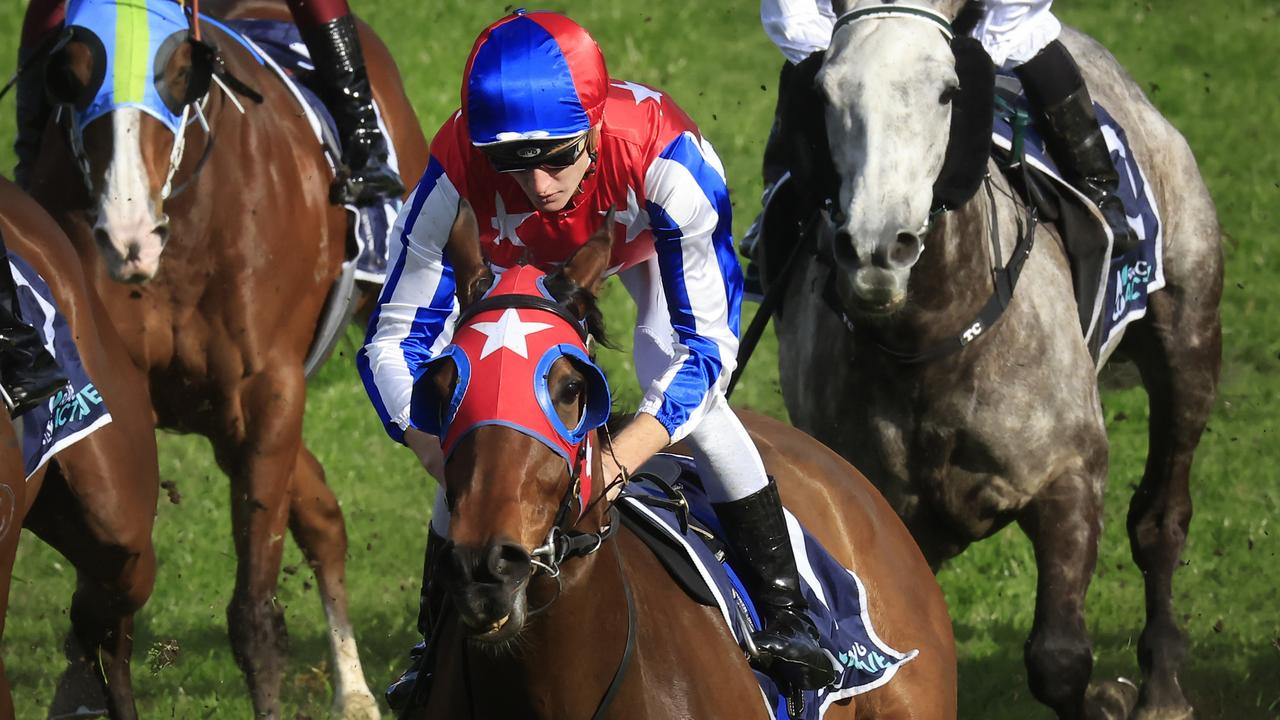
x=1209 y=66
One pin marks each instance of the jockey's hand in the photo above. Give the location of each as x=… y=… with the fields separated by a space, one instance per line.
x=632 y=446
x=427 y=448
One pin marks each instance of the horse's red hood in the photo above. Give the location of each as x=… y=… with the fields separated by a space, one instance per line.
x=503 y=356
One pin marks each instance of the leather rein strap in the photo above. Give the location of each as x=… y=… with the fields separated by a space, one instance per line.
x=627 y=650
x=1004 y=279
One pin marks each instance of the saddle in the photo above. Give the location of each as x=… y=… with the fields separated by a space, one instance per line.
x=666 y=507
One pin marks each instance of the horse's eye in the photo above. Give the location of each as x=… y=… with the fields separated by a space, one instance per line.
x=570 y=392
x=948 y=94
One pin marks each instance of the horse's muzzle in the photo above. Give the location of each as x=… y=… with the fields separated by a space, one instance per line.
x=488 y=586
x=872 y=292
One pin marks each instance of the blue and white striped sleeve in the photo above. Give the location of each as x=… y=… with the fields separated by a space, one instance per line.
x=413 y=319
x=691 y=221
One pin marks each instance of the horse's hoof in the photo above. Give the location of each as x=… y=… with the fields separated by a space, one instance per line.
x=79 y=713
x=1182 y=712
x=357 y=706
x=79 y=693
x=1110 y=699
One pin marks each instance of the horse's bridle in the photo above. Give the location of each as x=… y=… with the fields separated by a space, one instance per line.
x=563 y=541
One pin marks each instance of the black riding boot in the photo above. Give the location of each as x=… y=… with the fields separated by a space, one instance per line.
x=430 y=604
x=344 y=87
x=758 y=539
x=28 y=373
x=32 y=114
x=1057 y=92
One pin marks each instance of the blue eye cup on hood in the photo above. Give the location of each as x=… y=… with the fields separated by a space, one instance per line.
x=599 y=401
x=425 y=411
x=132 y=40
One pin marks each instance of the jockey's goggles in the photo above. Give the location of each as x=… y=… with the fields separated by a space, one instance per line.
x=548 y=154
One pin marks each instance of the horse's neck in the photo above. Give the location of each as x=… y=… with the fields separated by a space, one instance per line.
x=589 y=616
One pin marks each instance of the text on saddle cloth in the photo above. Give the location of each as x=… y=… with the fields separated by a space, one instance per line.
x=76 y=411
x=1126 y=281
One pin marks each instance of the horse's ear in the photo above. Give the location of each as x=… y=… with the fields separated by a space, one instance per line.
x=471 y=273
x=587 y=265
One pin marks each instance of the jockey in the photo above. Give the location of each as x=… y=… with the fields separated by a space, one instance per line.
x=1019 y=35
x=545 y=143
x=329 y=31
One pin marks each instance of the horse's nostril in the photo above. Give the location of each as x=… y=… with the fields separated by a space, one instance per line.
x=507 y=561
x=905 y=250
x=101 y=237
x=161 y=231
x=843 y=250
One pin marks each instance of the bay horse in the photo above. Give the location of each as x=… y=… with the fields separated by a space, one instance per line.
x=222 y=320
x=497 y=658
x=95 y=500
x=1009 y=427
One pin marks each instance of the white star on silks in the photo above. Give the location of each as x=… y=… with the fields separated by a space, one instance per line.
x=505 y=223
x=639 y=92
x=636 y=220
x=508 y=332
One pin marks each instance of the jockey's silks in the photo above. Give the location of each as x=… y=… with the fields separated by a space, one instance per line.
x=131 y=40
x=504 y=357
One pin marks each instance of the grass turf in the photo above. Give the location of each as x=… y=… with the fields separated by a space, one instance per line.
x=1209 y=67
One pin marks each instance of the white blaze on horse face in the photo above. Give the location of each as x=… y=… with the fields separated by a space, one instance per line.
x=130 y=231
x=888 y=132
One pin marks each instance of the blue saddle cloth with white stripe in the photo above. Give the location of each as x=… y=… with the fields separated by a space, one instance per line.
x=837 y=597
x=1129 y=278
x=76 y=411
x=281 y=42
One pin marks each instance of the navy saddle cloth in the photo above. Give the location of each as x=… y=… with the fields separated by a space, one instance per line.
x=690 y=549
x=1112 y=291
x=74 y=412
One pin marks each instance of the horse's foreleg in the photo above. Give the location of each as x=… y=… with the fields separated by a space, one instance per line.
x=261 y=467
x=97 y=509
x=1063 y=522
x=315 y=520
x=12 y=508
x=1180 y=372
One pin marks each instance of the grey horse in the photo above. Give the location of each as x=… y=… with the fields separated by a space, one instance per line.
x=1009 y=428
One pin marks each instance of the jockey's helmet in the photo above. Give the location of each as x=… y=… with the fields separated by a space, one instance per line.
x=534 y=84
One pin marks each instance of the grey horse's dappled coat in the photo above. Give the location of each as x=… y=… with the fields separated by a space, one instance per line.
x=1010 y=428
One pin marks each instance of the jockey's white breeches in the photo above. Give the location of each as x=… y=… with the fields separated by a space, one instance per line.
x=1012 y=31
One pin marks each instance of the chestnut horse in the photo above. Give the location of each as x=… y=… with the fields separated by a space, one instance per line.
x=505 y=488
x=223 y=321
x=95 y=501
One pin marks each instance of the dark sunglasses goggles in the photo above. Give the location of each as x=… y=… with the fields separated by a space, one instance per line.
x=548 y=154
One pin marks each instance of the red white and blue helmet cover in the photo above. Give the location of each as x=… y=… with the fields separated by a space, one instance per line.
x=532 y=76
x=504 y=357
